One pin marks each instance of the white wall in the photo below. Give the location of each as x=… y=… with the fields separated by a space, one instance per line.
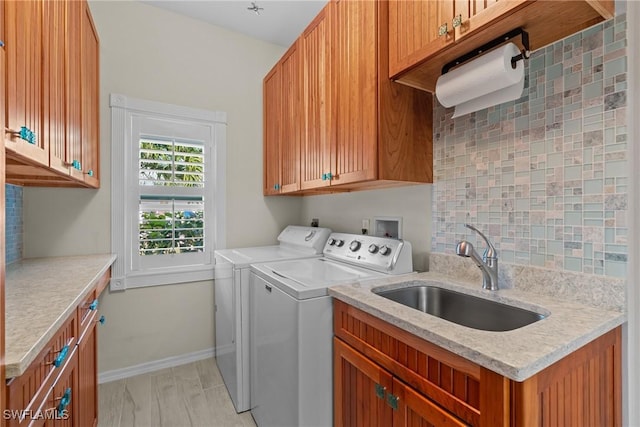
x=150 y=53
x=344 y=212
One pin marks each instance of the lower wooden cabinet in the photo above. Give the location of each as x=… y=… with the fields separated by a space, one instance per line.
x=368 y=395
x=60 y=387
x=386 y=376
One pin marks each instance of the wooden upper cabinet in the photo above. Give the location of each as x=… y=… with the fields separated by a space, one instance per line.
x=55 y=84
x=318 y=135
x=90 y=91
x=283 y=124
x=52 y=93
x=414 y=31
x=359 y=129
x=293 y=120
x=272 y=97
x=74 y=87
x=23 y=46
x=355 y=43
x=418 y=51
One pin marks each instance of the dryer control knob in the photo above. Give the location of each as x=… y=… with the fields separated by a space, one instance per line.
x=373 y=248
x=385 y=250
x=331 y=241
x=340 y=243
x=354 y=246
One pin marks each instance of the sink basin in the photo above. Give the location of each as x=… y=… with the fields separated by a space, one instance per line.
x=463 y=309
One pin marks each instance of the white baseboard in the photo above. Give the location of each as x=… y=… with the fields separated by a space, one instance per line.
x=155 y=365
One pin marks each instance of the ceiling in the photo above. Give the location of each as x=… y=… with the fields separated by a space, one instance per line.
x=281 y=21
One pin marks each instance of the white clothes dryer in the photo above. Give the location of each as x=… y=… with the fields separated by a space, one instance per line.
x=232 y=301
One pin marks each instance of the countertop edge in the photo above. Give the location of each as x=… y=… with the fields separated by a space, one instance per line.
x=17 y=368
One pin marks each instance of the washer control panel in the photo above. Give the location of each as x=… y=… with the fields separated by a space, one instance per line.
x=383 y=254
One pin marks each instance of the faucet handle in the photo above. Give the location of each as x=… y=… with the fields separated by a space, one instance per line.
x=490 y=252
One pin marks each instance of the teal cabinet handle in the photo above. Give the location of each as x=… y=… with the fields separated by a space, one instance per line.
x=64 y=401
x=277 y=187
x=102 y=319
x=59 y=360
x=90 y=173
x=25 y=134
x=93 y=305
x=77 y=165
x=329 y=176
x=324 y=176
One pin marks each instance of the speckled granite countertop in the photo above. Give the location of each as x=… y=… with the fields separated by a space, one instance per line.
x=40 y=294
x=517 y=354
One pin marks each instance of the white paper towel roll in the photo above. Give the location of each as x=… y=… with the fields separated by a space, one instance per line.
x=489 y=74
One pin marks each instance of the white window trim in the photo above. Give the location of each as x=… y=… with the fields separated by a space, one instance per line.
x=122 y=167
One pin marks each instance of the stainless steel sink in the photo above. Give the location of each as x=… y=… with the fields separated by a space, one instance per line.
x=463 y=309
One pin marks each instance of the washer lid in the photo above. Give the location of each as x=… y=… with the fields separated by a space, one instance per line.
x=242 y=257
x=310 y=278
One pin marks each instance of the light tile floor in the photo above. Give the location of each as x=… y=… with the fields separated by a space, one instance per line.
x=184 y=396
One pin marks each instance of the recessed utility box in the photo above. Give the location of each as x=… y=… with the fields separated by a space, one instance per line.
x=388 y=226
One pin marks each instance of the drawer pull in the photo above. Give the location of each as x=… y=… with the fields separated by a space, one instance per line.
x=94 y=305
x=392 y=401
x=101 y=320
x=64 y=401
x=380 y=391
x=59 y=360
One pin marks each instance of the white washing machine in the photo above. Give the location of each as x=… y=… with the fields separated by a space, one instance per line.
x=232 y=301
x=292 y=328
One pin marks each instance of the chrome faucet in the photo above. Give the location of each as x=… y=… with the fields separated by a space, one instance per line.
x=488 y=263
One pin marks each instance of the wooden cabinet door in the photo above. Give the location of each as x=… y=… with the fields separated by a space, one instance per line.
x=23 y=46
x=414 y=30
x=53 y=72
x=292 y=117
x=87 y=377
x=315 y=149
x=355 y=43
x=90 y=91
x=477 y=15
x=74 y=87
x=360 y=389
x=272 y=93
x=413 y=409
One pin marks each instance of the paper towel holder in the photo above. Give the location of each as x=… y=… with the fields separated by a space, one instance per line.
x=524 y=54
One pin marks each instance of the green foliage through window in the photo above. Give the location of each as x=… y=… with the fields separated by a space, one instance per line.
x=171 y=224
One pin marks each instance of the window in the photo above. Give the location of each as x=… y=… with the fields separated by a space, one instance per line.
x=168 y=205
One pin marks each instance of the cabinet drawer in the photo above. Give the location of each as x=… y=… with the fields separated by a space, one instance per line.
x=449 y=380
x=28 y=391
x=60 y=403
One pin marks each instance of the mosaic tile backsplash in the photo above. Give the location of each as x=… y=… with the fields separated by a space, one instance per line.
x=13 y=225
x=544 y=177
